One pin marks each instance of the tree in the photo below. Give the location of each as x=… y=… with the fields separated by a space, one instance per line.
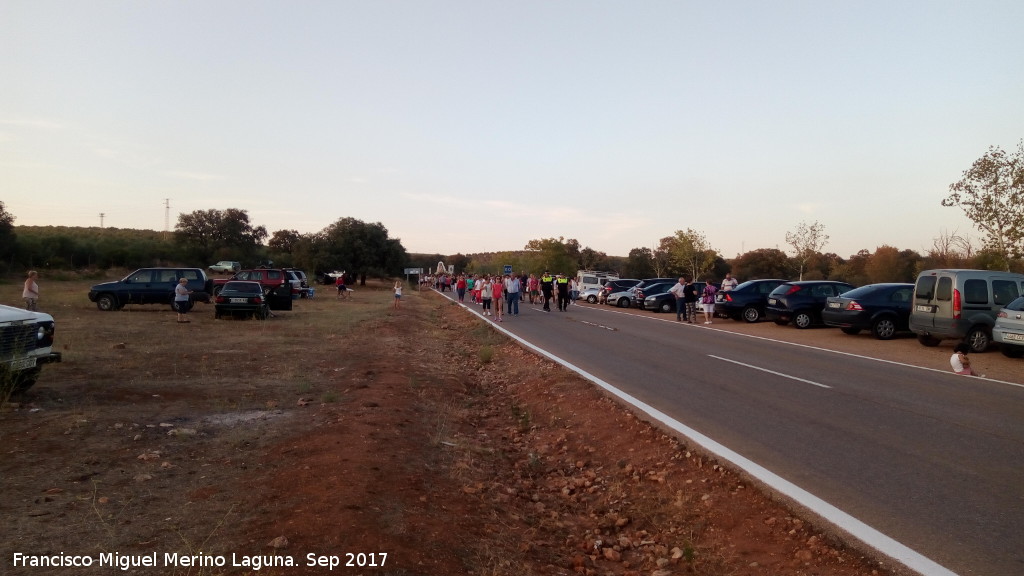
x=807 y=240
x=639 y=264
x=949 y=250
x=889 y=264
x=7 y=235
x=690 y=251
x=360 y=249
x=284 y=241
x=553 y=255
x=760 y=264
x=227 y=234
x=991 y=194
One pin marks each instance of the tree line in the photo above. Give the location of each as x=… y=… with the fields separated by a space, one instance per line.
x=991 y=193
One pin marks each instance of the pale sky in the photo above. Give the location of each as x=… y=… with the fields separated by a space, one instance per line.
x=475 y=126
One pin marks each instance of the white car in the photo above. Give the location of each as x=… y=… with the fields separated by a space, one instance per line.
x=1009 y=329
x=26 y=340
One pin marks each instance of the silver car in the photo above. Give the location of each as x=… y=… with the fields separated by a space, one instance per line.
x=623 y=299
x=591 y=295
x=1009 y=329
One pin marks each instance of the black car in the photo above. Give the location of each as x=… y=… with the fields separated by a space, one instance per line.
x=666 y=301
x=241 y=297
x=802 y=302
x=642 y=291
x=882 y=308
x=746 y=301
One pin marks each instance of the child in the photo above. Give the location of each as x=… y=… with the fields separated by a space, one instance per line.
x=960 y=362
x=398 y=293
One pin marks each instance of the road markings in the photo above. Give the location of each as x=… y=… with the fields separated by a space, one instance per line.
x=752 y=367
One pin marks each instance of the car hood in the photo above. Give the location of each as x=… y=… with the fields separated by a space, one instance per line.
x=12 y=314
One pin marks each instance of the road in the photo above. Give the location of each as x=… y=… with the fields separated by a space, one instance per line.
x=920 y=456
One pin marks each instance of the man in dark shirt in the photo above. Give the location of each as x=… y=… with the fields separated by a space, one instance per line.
x=547 y=287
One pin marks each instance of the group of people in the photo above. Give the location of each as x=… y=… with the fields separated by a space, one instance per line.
x=687 y=293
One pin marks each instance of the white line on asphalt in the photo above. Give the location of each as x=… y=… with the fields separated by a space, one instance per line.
x=856 y=528
x=752 y=367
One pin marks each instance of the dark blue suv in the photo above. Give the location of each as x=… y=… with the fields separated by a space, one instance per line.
x=150 y=286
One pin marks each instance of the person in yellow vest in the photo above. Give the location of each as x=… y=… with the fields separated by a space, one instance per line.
x=547 y=287
x=562 y=283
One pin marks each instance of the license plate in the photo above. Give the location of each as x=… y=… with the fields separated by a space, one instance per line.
x=239 y=300
x=1014 y=337
x=23 y=364
x=773 y=301
x=834 y=305
x=924 y=308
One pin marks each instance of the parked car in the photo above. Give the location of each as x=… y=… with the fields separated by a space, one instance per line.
x=621 y=299
x=884 y=309
x=241 y=297
x=666 y=301
x=641 y=291
x=590 y=295
x=593 y=279
x=1009 y=329
x=802 y=302
x=26 y=343
x=746 y=301
x=225 y=267
x=961 y=304
x=616 y=286
x=278 y=285
x=150 y=286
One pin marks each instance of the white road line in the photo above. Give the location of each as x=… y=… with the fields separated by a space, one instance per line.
x=752 y=367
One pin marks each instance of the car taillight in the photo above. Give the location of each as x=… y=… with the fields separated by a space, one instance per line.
x=220 y=299
x=853 y=305
x=792 y=290
x=957 y=306
x=257 y=300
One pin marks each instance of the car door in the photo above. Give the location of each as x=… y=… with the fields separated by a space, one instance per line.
x=277 y=288
x=137 y=286
x=162 y=289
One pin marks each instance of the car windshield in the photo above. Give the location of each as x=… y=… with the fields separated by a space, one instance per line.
x=244 y=287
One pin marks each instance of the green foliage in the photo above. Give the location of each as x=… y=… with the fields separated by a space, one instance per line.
x=554 y=255
x=690 y=253
x=57 y=247
x=639 y=264
x=761 y=264
x=209 y=235
x=991 y=194
x=357 y=247
x=7 y=235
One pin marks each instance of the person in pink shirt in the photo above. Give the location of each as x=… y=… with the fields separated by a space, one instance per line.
x=497 y=289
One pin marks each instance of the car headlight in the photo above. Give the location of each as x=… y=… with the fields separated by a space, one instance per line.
x=44 y=334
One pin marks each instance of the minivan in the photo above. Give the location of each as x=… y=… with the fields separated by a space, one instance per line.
x=961 y=304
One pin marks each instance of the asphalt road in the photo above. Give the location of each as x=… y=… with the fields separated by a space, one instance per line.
x=914 y=454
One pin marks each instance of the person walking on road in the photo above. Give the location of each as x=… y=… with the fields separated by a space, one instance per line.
x=562 y=283
x=547 y=288
x=512 y=288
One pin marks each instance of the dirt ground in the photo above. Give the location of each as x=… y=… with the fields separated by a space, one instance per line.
x=415 y=441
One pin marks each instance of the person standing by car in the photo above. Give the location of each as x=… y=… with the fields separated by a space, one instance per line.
x=690 y=300
x=182 y=300
x=728 y=283
x=30 y=291
x=708 y=300
x=679 y=292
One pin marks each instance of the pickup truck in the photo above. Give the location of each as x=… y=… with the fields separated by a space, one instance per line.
x=150 y=286
x=278 y=285
x=26 y=340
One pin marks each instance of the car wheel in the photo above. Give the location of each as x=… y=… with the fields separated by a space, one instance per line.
x=752 y=314
x=928 y=341
x=592 y=299
x=107 y=302
x=1011 y=351
x=622 y=303
x=884 y=328
x=217 y=289
x=850 y=331
x=802 y=320
x=978 y=339
x=667 y=306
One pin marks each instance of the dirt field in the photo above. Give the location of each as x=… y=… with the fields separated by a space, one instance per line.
x=401 y=442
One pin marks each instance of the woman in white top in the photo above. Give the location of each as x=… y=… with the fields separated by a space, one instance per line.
x=30 y=292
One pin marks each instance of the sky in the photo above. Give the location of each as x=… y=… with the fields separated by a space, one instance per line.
x=476 y=126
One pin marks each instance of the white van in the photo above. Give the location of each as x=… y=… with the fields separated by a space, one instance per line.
x=961 y=304
x=593 y=279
